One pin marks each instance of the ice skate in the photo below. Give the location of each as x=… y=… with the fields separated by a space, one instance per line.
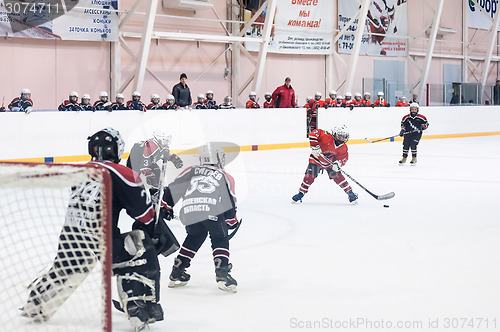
x=413 y=161
x=137 y=315
x=352 y=197
x=224 y=280
x=402 y=161
x=178 y=277
x=298 y=197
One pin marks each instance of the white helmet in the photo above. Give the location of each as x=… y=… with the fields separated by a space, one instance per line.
x=333 y=92
x=103 y=94
x=201 y=96
x=348 y=94
x=25 y=91
x=340 y=97
x=253 y=93
x=367 y=93
x=86 y=96
x=211 y=155
x=74 y=94
x=341 y=133
x=380 y=93
x=162 y=137
x=209 y=92
x=267 y=94
x=317 y=94
x=155 y=96
x=414 y=105
x=228 y=99
x=136 y=94
x=119 y=95
x=170 y=97
x=357 y=94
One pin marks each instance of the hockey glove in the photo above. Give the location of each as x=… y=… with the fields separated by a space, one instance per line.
x=166 y=214
x=232 y=223
x=176 y=161
x=424 y=126
x=336 y=166
x=316 y=150
x=402 y=132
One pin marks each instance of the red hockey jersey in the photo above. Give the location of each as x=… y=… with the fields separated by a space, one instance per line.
x=329 y=149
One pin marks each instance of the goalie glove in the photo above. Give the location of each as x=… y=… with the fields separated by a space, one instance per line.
x=316 y=150
x=176 y=161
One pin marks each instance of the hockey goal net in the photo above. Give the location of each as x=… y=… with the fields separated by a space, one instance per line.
x=55 y=248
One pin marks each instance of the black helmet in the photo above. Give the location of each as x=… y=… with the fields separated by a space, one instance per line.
x=106 y=144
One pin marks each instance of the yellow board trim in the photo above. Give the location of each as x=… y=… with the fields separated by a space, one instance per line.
x=245 y=148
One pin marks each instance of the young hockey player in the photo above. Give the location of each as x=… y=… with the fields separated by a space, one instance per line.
x=200 y=104
x=227 y=104
x=71 y=104
x=380 y=100
x=119 y=104
x=170 y=103
x=402 y=102
x=339 y=102
x=208 y=208
x=22 y=103
x=103 y=104
x=332 y=97
x=366 y=100
x=329 y=152
x=357 y=99
x=155 y=103
x=348 y=100
x=312 y=112
x=210 y=102
x=85 y=103
x=134 y=256
x=269 y=103
x=252 y=103
x=412 y=126
x=136 y=103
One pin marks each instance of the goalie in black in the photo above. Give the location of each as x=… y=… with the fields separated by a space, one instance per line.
x=134 y=253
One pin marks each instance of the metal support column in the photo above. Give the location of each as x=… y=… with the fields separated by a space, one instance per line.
x=489 y=54
x=430 y=49
x=147 y=31
x=357 y=44
x=261 y=61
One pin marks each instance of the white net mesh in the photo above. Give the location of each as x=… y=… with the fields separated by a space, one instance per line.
x=53 y=254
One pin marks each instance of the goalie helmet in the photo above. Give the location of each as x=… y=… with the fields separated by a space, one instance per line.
x=106 y=144
x=162 y=137
x=341 y=133
x=210 y=155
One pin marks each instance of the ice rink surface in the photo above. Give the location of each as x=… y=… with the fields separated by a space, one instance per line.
x=433 y=255
x=429 y=261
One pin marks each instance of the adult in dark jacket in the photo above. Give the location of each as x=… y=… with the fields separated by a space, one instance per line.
x=181 y=92
x=284 y=95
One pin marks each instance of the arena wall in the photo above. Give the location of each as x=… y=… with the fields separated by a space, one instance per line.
x=62 y=136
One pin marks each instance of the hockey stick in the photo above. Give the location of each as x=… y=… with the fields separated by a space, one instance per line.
x=377 y=197
x=383 y=139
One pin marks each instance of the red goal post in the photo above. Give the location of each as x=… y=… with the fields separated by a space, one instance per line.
x=37 y=201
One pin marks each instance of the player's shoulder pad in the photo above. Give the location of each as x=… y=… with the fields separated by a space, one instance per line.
x=184 y=172
x=127 y=175
x=421 y=116
x=150 y=147
x=406 y=116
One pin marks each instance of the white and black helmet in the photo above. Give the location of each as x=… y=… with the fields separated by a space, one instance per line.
x=162 y=137
x=340 y=133
x=106 y=144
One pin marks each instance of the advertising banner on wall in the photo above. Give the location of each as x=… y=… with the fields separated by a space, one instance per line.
x=385 y=29
x=480 y=14
x=93 y=20
x=301 y=27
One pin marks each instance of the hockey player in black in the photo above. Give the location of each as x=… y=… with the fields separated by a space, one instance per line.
x=412 y=126
x=136 y=103
x=71 y=104
x=208 y=208
x=134 y=254
x=119 y=104
x=145 y=156
x=170 y=103
x=22 y=103
x=210 y=102
x=85 y=103
x=103 y=104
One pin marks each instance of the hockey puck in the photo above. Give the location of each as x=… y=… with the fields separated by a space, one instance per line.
x=386 y=205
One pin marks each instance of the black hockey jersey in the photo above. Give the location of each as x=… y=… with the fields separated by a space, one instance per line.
x=416 y=123
x=144 y=157
x=207 y=193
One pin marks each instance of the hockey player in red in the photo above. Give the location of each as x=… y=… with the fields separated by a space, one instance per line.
x=402 y=102
x=332 y=97
x=136 y=103
x=22 y=103
x=200 y=104
x=252 y=103
x=339 y=102
x=329 y=152
x=357 y=99
x=312 y=112
x=412 y=126
x=269 y=101
x=71 y=104
x=366 y=100
x=348 y=101
x=170 y=104
x=380 y=100
x=155 y=103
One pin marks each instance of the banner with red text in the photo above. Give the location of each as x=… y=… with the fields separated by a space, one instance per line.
x=385 y=29
x=300 y=27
